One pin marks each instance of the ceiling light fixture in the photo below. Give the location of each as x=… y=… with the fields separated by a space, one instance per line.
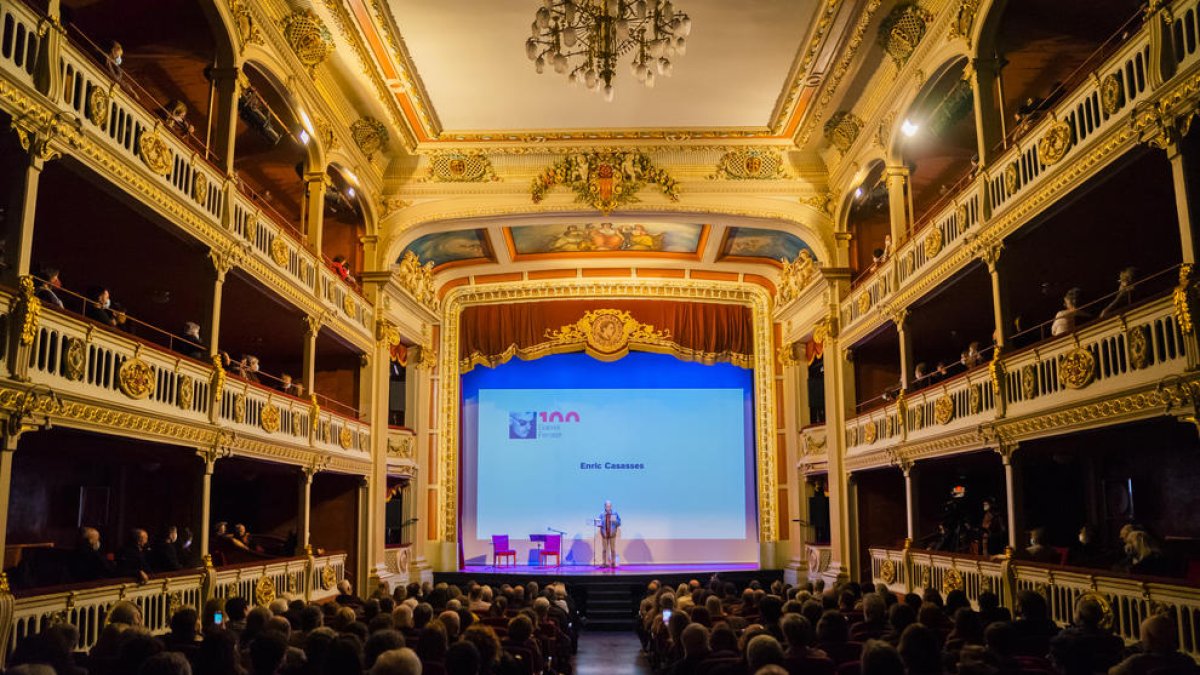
x=909 y=128
x=584 y=38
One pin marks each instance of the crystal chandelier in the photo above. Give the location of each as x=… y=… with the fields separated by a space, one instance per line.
x=586 y=37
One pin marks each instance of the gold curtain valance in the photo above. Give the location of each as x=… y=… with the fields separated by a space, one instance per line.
x=697 y=332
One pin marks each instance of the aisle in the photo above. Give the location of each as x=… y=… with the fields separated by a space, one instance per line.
x=610 y=653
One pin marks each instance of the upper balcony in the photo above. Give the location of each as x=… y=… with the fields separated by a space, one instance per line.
x=1106 y=111
x=107 y=129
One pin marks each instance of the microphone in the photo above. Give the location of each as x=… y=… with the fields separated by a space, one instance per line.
x=551 y=529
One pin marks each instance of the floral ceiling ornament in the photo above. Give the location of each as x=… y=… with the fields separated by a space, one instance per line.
x=309 y=38
x=842 y=130
x=605 y=180
x=370 y=135
x=902 y=30
x=460 y=167
x=750 y=164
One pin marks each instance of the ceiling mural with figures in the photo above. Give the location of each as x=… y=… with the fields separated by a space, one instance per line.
x=457 y=247
x=751 y=242
x=656 y=239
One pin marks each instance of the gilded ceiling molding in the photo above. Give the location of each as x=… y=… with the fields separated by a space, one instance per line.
x=460 y=167
x=606 y=180
x=746 y=294
x=902 y=31
x=309 y=38
x=750 y=164
x=839 y=71
x=800 y=79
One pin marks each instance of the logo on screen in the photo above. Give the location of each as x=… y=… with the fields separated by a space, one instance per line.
x=522 y=425
x=556 y=417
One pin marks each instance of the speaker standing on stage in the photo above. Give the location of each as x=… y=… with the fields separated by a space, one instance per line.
x=609 y=523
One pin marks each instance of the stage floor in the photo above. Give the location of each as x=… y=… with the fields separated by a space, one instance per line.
x=597 y=571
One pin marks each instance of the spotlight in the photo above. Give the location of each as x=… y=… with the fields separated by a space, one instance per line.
x=909 y=128
x=858 y=193
x=350 y=193
x=304 y=137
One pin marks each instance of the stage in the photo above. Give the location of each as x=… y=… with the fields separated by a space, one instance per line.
x=538 y=571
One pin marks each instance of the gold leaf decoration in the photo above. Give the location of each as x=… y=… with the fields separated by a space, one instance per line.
x=933 y=242
x=200 y=186
x=607 y=334
x=97 y=106
x=750 y=164
x=369 y=134
x=1055 y=144
x=136 y=378
x=345 y=438
x=902 y=30
x=28 y=310
x=75 y=359
x=269 y=418
x=842 y=130
x=264 y=591
x=309 y=38
x=952 y=580
x=187 y=391
x=870 y=433
x=154 y=152
x=1010 y=177
x=1112 y=95
x=417 y=279
x=795 y=275
x=279 y=251
x=1138 y=342
x=460 y=167
x=239 y=408
x=328 y=578
x=1077 y=368
x=943 y=409
x=887 y=572
x=604 y=180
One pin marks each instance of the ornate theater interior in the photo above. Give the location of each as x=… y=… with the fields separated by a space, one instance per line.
x=714 y=320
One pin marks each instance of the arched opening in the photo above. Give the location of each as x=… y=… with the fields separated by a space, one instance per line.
x=165 y=61
x=868 y=222
x=272 y=153
x=344 y=224
x=937 y=141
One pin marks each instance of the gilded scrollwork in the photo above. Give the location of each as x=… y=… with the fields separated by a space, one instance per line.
x=795 y=275
x=345 y=438
x=279 y=251
x=943 y=409
x=135 y=378
x=98 y=103
x=750 y=164
x=74 y=359
x=842 y=129
x=269 y=418
x=902 y=30
x=1138 y=343
x=155 y=152
x=1186 y=299
x=460 y=167
x=200 y=186
x=28 y=310
x=264 y=591
x=933 y=242
x=1053 y=146
x=309 y=38
x=1112 y=94
x=1077 y=368
x=186 y=392
x=417 y=279
x=604 y=180
x=370 y=135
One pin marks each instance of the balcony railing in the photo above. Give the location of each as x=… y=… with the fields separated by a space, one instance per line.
x=256 y=409
x=397 y=559
x=1126 y=600
x=1137 y=348
x=87 y=607
x=193 y=188
x=1072 y=128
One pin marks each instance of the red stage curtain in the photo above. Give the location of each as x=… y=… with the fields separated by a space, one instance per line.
x=705 y=332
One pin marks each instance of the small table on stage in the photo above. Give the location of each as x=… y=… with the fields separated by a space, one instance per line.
x=550 y=543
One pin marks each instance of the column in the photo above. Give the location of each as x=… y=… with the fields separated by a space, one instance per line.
x=312 y=328
x=1184 y=168
x=1160 y=19
x=983 y=74
x=304 y=509
x=851 y=567
x=6 y=471
x=223 y=115
x=908 y=467
x=209 y=456
x=223 y=262
x=900 y=318
x=839 y=401
x=365 y=581
x=21 y=205
x=899 y=204
x=1007 y=450
x=315 y=184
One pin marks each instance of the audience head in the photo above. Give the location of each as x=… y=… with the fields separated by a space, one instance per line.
x=1031 y=605
x=125 y=612
x=166 y=663
x=763 y=650
x=880 y=658
x=462 y=658
x=797 y=631
x=432 y=643
x=901 y=616
x=694 y=640
x=397 y=662
x=1001 y=639
x=1158 y=635
x=832 y=628
x=380 y=642
x=874 y=608
x=920 y=650
x=722 y=638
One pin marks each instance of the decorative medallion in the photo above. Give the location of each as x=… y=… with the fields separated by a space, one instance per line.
x=328 y=578
x=387 y=333
x=902 y=30
x=348 y=305
x=974 y=402
x=269 y=418
x=960 y=218
x=279 y=251
x=417 y=279
x=74 y=359
x=309 y=38
x=239 y=408
x=918 y=417
x=370 y=135
x=460 y=167
x=1054 y=145
x=996 y=372
x=1077 y=368
x=136 y=378
x=842 y=130
x=887 y=572
x=933 y=242
x=187 y=392
x=200 y=186
x=1028 y=382
x=795 y=276
x=174 y=602
x=1010 y=178
x=864 y=303
x=264 y=591
x=1138 y=342
x=604 y=180
x=952 y=580
x=345 y=438
x=1112 y=95
x=925 y=579
x=252 y=228
x=154 y=152
x=606 y=334
x=943 y=409
x=964 y=19
x=1106 y=610
x=296 y=426
x=750 y=164
x=870 y=433
x=97 y=106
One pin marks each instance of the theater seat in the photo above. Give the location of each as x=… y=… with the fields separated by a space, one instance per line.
x=810 y=666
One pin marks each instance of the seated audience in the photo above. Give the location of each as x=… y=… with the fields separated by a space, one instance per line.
x=1085 y=646
x=1157 y=652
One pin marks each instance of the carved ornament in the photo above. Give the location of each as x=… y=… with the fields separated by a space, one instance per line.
x=864 y=302
x=795 y=276
x=870 y=433
x=1185 y=298
x=823 y=202
x=1138 y=343
x=974 y=399
x=943 y=409
x=264 y=591
x=1054 y=145
x=97 y=106
x=604 y=180
x=842 y=130
x=750 y=164
x=309 y=38
x=239 y=408
x=328 y=578
x=460 y=167
x=1112 y=95
x=1028 y=382
x=154 y=152
x=186 y=392
x=75 y=359
x=887 y=572
x=269 y=418
x=1010 y=177
x=28 y=310
x=387 y=333
x=902 y=30
x=279 y=251
x=417 y=279
x=369 y=134
x=200 y=186
x=964 y=19
x=952 y=580
x=135 y=377
x=345 y=438
x=607 y=334
x=243 y=21
x=933 y=242
x=1077 y=368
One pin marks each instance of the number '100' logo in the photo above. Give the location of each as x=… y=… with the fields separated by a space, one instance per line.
x=558 y=417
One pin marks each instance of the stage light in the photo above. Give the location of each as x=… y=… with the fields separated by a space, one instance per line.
x=350 y=193
x=304 y=137
x=858 y=193
x=909 y=128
